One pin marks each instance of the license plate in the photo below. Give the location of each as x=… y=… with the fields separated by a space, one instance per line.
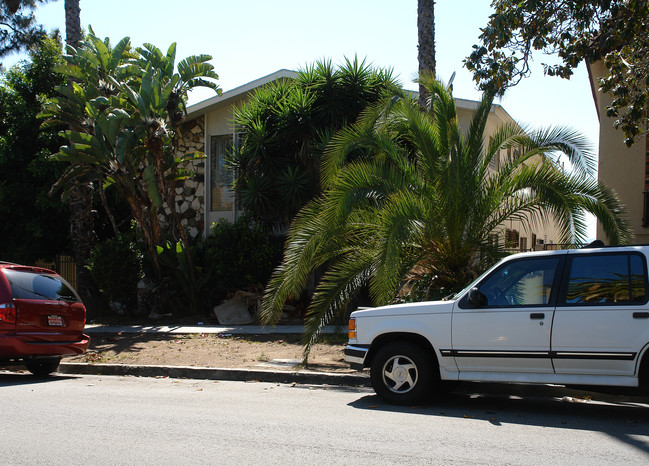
x=55 y=321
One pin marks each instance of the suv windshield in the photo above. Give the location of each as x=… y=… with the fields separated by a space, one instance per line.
x=30 y=285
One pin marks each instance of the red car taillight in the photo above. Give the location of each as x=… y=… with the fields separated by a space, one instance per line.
x=8 y=313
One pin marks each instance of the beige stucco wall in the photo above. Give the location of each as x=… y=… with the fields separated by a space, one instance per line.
x=545 y=230
x=219 y=119
x=621 y=168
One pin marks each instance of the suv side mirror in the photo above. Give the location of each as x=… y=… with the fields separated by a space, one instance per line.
x=475 y=298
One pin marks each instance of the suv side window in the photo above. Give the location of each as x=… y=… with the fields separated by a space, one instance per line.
x=521 y=283
x=607 y=278
x=28 y=285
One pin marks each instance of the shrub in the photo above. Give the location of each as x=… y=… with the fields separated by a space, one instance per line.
x=240 y=254
x=182 y=287
x=116 y=268
x=235 y=256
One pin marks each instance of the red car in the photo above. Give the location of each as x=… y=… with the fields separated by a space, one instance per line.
x=41 y=318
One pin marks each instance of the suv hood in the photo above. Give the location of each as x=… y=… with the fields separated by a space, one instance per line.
x=427 y=307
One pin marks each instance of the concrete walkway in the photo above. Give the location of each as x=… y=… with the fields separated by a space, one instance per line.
x=212 y=373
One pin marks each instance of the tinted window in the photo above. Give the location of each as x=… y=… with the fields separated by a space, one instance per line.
x=610 y=278
x=28 y=285
x=521 y=283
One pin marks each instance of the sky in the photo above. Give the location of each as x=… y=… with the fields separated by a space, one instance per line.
x=249 y=39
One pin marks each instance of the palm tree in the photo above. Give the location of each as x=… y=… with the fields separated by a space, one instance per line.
x=409 y=196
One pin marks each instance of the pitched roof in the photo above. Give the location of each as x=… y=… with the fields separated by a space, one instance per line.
x=202 y=107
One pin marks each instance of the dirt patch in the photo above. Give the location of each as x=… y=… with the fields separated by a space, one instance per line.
x=278 y=352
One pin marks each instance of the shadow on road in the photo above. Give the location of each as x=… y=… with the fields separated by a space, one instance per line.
x=622 y=417
x=15 y=376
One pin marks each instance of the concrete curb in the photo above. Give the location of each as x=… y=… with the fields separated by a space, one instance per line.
x=210 y=373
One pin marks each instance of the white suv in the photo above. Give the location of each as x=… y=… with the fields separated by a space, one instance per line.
x=570 y=317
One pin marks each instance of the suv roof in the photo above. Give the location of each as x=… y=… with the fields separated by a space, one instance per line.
x=33 y=268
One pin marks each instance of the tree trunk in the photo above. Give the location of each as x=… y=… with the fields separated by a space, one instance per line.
x=426 y=47
x=82 y=225
x=72 y=23
x=83 y=239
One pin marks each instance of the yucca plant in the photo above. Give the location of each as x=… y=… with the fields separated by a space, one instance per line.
x=285 y=127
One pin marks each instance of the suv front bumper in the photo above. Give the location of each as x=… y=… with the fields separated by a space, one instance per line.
x=355 y=355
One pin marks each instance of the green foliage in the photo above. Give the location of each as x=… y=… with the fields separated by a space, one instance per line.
x=34 y=226
x=19 y=28
x=285 y=127
x=239 y=255
x=116 y=268
x=409 y=197
x=181 y=286
x=121 y=108
x=235 y=256
x=614 y=31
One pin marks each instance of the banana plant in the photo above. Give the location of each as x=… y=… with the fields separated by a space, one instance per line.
x=121 y=107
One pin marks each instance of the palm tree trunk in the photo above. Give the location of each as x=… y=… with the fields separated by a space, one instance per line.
x=82 y=225
x=426 y=36
x=72 y=23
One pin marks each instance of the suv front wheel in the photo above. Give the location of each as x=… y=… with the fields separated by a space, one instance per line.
x=402 y=373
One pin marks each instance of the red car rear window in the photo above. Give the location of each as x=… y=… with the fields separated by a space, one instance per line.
x=30 y=285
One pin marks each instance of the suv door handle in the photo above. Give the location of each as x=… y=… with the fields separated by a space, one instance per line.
x=537 y=315
x=641 y=315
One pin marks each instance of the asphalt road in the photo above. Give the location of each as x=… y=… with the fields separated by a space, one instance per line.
x=127 y=420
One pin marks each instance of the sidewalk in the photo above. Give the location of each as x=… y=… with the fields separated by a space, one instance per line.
x=212 y=329
x=211 y=373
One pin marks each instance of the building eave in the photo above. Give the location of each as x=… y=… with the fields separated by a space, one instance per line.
x=472 y=105
x=205 y=106
x=200 y=108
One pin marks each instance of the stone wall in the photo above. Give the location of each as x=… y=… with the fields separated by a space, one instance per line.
x=190 y=197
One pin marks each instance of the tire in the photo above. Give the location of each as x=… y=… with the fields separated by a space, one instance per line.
x=42 y=367
x=402 y=373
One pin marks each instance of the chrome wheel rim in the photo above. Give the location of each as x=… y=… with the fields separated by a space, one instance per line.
x=400 y=374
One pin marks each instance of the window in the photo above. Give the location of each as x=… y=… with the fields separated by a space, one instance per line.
x=607 y=278
x=511 y=238
x=492 y=240
x=521 y=283
x=221 y=196
x=28 y=285
x=523 y=245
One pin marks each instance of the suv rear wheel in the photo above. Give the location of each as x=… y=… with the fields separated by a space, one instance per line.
x=402 y=373
x=42 y=367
